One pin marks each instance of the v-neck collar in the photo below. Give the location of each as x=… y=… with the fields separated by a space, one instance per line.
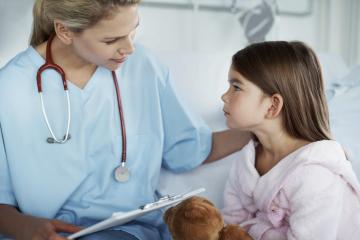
x=39 y=61
x=263 y=191
x=279 y=163
x=88 y=86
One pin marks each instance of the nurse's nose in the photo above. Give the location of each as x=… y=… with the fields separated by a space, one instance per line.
x=128 y=47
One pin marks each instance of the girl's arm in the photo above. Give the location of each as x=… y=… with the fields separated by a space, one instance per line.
x=227 y=142
x=316 y=202
x=19 y=226
x=237 y=202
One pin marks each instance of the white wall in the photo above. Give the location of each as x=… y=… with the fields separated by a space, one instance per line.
x=15 y=27
x=333 y=26
x=343 y=27
x=166 y=30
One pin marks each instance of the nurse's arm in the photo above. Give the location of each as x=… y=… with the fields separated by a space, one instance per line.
x=227 y=142
x=19 y=226
x=12 y=223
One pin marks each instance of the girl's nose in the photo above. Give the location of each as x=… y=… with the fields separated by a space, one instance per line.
x=224 y=97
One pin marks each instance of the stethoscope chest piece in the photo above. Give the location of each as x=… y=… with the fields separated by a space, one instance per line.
x=122 y=173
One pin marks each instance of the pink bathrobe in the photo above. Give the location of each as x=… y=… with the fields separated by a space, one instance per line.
x=312 y=193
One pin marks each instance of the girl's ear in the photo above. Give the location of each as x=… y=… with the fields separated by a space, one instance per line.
x=277 y=103
x=63 y=32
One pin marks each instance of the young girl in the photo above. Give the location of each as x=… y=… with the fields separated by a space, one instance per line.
x=294 y=181
x=73 y=150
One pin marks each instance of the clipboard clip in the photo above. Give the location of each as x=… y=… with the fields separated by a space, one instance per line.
x=170 y=198
x=161 y=200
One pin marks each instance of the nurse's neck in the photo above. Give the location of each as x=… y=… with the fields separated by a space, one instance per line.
x=76 y=69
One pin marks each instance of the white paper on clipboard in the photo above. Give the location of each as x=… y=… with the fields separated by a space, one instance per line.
x=124 y=217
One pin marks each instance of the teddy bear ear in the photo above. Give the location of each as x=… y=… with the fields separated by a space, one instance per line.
x=168 y=214
x=196 y=213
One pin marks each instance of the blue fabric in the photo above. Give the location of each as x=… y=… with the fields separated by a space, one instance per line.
x=74 y=182
x=109 y=235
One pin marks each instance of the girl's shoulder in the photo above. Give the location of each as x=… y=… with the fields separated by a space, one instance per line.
x=326 y=154
x=324 y=151
x=320 y=163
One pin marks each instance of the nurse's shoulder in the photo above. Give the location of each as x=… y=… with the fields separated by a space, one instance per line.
x=18 y=82
x=19 y=71
x=144 y=61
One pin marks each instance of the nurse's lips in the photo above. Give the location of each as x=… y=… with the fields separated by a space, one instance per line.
x=226 y=113
x=121 y=60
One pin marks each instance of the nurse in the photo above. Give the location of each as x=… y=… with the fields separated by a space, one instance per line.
x=60 y=153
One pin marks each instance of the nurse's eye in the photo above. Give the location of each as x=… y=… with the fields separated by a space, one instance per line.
x=111 y=42
x=132 y=35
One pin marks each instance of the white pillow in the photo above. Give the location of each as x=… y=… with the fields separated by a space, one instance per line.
x=333 y=68
x=200 y=80
x=344 y=109
x=212 y=177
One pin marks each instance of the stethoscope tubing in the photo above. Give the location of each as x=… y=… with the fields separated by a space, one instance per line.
x=49 y=64
x=66 y=138
x=121 y=115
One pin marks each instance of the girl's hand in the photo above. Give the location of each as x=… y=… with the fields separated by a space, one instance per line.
x=45 y=229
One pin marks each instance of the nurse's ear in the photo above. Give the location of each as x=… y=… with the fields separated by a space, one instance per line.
x=63 y=32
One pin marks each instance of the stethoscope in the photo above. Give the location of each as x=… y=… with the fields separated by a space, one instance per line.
x=121 y=173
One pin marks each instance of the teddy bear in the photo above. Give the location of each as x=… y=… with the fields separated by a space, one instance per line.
x=196 y=218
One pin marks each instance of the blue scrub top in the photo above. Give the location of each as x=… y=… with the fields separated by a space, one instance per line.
x=75 y=181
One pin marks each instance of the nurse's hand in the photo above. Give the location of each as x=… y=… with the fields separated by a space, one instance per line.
x=44 y=229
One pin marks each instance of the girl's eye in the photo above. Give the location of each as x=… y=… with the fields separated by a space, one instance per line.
x=237 y=88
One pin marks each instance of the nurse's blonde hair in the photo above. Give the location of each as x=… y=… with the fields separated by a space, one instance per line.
x=77 y=15
x=292 y=70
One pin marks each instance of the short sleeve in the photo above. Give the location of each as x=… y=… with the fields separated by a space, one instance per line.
x=187 y=139
x=6 y=193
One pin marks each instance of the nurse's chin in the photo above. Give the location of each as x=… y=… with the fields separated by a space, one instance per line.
x=113 y=66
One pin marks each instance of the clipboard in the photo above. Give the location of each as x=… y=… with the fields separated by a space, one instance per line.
x=119 y=218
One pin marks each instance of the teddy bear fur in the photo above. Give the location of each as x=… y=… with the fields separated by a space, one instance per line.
x=196 y=218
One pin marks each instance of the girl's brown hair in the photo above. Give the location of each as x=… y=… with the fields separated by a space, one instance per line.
x=292 y=70
x=77 y=15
